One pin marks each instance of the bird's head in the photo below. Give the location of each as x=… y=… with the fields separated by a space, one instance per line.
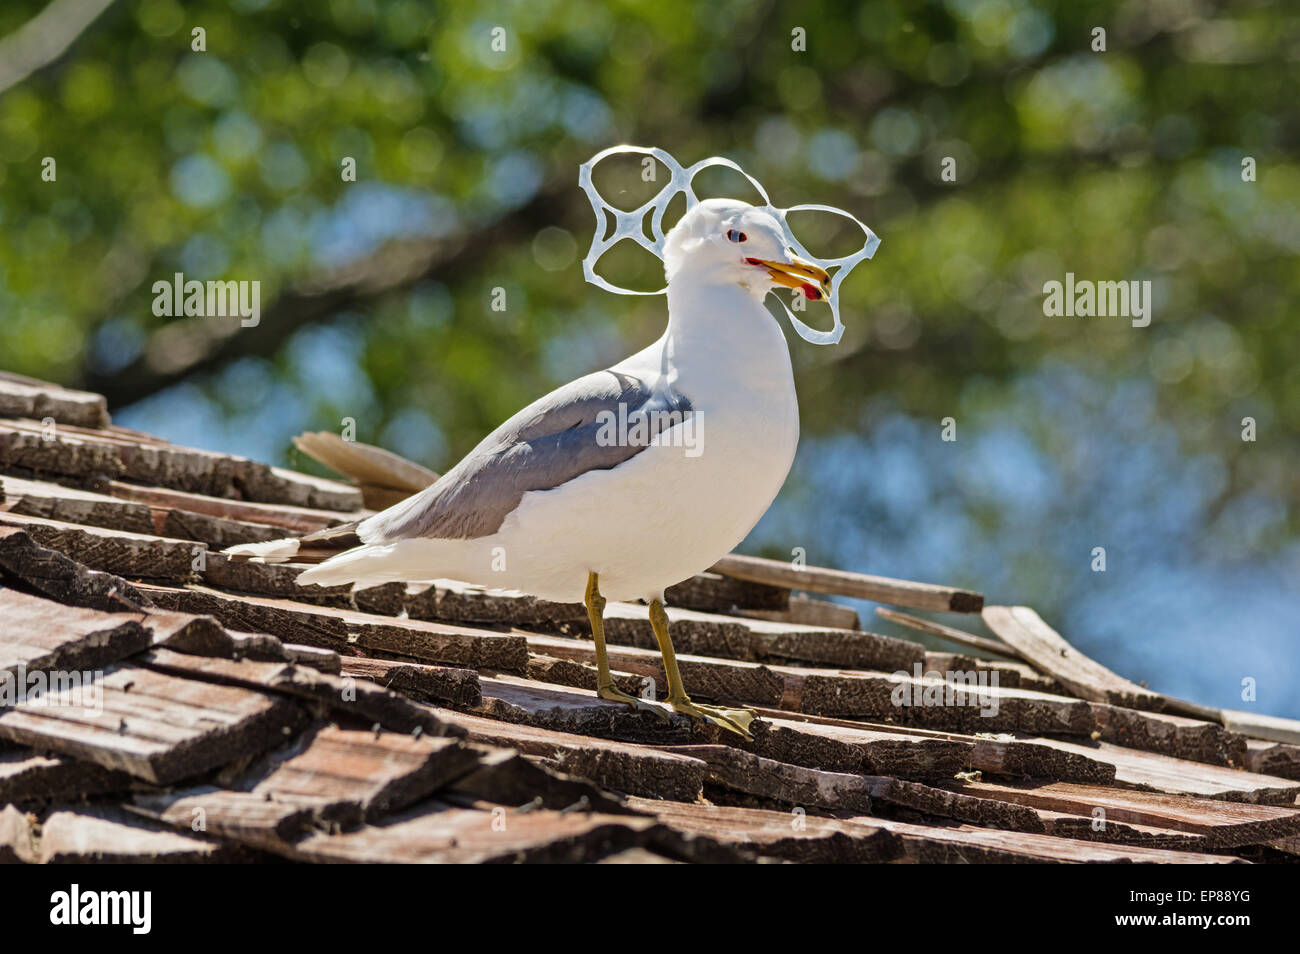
x=729 y=240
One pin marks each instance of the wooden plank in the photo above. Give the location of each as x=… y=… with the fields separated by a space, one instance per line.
x=26 y=776
x=1260 y=726
x=41 y=636
x=838 y=746
x=103 y=835
x=901 y=751
x=828 y=744
x=385 y=599
x=38 y=498
x=1025 y=630
x=791 y=836
x=348 y=632
x=18 y=839
x=245 y=817
x=46 y=635
x=273 y=579
x=281 y=580
x=807 y=611
x=294 y=519
x=446 y=835
x=942 y=704
x=61 y=578
x=323 y=659
x=437 y=684
x=1011 y=675
x=26 y=448
x=506 y=777
x=579 y=712
x=1065 y=825
x=967 y=844
x=81 y=452
x=216 y=532
x=204 y=636
x=153 y=726
x=1173 y=735
x=839 y=791
x=1253 y=724
x=1148 y=771
x=715 y=593
x=360 y=698
x=349 y=776
x=617 y=766
x=464 y=602
x=27 y=397
x=133 y=555
x=709 y=679
x=430 y=832
x=1222 y=824
x=1019 y=758
x=836 y=693
x=953 y=635
x=1272 y=758
x=694 y=632
x=878 y=589
x=758 y=640
x=365 y=464
x=582 y=675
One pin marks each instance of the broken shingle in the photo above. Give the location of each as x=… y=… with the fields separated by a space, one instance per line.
x=153 y=726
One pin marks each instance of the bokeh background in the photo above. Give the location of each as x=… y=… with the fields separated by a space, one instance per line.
x=1072 y=433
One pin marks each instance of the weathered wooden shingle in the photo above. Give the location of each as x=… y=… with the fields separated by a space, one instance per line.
x=347 y=631
x=1221 y=824
x=1023 y=629
x=27 y=776
x=40 y=636
x=39 y=400
x=61 y=578
x=238 y=715
x=132 y=555
x=110 y=836
x=153 y=726
x=359 y=698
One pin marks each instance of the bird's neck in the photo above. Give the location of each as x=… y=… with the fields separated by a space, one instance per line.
x=717 y=328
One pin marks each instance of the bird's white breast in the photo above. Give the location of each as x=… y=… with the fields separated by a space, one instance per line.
x=676 y=507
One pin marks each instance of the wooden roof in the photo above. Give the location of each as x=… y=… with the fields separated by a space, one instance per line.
x=227 y=716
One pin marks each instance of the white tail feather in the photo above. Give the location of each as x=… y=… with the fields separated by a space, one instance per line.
x=357 y=565
x=272 y=551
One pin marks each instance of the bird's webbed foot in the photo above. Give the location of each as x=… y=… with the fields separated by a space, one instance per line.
x=733 y=720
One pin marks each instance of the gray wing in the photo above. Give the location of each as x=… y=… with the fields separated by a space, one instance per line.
x=550 y=442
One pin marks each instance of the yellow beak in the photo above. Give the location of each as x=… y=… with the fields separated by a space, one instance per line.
x=797 y=273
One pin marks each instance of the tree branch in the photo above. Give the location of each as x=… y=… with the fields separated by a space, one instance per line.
x=189 y=346
x=45 y=37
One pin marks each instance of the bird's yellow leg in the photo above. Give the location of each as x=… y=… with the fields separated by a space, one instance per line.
x=605 y=687
x=734 y=720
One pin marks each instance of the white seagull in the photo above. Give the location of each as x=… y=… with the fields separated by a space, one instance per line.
x=626 y=481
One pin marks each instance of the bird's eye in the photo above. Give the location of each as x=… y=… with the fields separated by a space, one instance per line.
x=735 y=236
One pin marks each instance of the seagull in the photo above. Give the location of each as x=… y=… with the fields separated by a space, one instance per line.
x=626 y=481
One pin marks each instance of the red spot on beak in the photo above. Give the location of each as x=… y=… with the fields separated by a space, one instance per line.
x=811 y=292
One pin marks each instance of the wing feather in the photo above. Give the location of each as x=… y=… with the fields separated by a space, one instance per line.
x=555 y=439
